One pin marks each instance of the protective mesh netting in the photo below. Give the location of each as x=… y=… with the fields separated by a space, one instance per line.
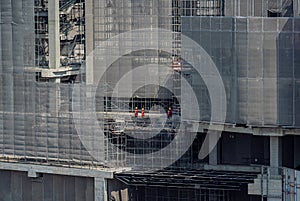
x=256 y=57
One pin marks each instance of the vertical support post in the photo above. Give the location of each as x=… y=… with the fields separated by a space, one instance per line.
x=296 y=5
x=213 y=155
x=297 y=184
x=54 y=37
x=100 y=189
x=275 y=154
x=89 y=33
x=262 y=184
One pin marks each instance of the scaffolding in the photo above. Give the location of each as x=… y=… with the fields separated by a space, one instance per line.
x=256 y=56
x=52 y=119
x=71 y=38
x=179 y=185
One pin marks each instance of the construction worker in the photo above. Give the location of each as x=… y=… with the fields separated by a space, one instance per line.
x=136 y=112
x=143 y=112
x=169 y=112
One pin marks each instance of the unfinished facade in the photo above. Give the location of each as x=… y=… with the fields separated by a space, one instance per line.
x=95 y=105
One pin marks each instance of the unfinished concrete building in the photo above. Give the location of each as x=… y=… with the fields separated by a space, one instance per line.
x=121 y=100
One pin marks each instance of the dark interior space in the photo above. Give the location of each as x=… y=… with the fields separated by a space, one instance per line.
x=181 y=194
x=291 y=151
x=244 y=149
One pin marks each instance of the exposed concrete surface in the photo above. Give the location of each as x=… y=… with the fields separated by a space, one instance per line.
x=56 y=183
x=32 y=169
x=233 y=168
x=100 y=191
x=17 y=186
x=271 y=188
x=54 y=35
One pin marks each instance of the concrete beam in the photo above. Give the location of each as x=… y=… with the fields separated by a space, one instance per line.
x=33 y=174
x=234 y=168
x=55 y=73
x=58 y=73
x=248 y=129
x=35 y=169
x=202 y=126
x=54 y=35
x=268 y=131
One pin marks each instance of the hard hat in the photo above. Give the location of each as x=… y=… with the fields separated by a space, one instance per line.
x=136 y=108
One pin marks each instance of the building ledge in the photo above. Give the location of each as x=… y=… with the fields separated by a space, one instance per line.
x=56 y=73
x=34 y=170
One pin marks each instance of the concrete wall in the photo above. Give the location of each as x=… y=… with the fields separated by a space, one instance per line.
x=17 y=186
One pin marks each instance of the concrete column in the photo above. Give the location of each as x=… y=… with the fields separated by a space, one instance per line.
x=275 y=154
x=100 y=189
x=296 y=8
x=213 y=147
x=89 y=33
x=54 y=35
x=213 y=156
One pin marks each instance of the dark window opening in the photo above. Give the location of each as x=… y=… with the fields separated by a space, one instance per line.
x=272 y=13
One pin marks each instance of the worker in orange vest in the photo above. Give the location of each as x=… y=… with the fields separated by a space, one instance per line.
x=143 y=112
x=136 y=112
x=169 y=112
